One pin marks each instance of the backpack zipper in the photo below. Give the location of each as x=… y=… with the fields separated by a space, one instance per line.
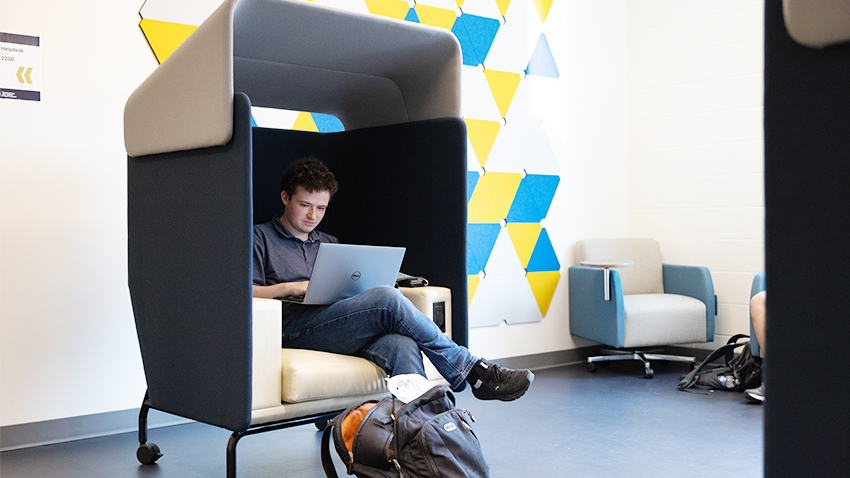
x=392 y=449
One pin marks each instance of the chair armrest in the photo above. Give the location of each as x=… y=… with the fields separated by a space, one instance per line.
x=591 y=316
x=265 y=378
x=693 y=281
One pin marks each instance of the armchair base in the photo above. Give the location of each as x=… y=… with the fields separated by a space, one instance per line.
x=642 y=356
x=149 y=453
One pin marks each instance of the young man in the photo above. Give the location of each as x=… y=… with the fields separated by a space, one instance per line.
x=380 y=324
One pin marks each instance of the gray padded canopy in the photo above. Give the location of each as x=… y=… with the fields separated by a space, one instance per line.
x=817 y=23
x=366 y=70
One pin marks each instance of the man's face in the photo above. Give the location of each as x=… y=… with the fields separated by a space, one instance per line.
x=303 y=211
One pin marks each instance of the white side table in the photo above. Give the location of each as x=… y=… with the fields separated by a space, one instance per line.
x=607 y=265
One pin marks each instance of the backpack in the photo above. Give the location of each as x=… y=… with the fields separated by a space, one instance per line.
x=736 y=372
x=427 y=437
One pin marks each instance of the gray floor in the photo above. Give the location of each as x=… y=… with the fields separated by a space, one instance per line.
x=571 y=423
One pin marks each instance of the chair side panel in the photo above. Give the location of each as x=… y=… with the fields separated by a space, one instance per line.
x=189 y=248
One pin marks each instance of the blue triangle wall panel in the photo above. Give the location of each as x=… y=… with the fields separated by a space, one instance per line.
x=533 y=198
x=542 y=62
x=327 y=123
x=543 y=258
x=476 y=35
x=480 y=239
x=472 y=178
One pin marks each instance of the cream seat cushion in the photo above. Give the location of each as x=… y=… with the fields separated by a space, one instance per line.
x=341 y=375
x=647 y=319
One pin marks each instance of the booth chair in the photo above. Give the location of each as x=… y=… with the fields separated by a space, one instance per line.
x=199 y=177
x=646 y=303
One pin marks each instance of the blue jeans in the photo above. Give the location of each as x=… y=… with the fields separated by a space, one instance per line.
x=383 y=326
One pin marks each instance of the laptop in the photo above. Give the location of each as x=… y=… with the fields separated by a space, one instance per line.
x=345 y=270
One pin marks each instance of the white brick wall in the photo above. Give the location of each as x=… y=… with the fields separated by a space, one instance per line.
x=695 y=153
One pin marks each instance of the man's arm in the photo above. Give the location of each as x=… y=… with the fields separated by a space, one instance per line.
x=284 y=289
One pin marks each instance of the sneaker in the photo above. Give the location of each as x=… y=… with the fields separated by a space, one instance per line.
x=755 y=395
x=493 y=382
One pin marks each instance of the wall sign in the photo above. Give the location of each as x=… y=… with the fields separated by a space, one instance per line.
x=20 y=67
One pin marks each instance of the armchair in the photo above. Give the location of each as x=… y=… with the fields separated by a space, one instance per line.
x=649 y=303
x=199 y=176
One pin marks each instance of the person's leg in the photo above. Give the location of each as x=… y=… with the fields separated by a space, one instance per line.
x=758 y=311
x=351 y=324
x=394 y=353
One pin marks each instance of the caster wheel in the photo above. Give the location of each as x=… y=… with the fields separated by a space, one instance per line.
x=649 y=373
x=148 y=453
x=322 y=423
x=591 y=367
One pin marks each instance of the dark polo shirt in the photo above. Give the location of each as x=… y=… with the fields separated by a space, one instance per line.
x=281 y=257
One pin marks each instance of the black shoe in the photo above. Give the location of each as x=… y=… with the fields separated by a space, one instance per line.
x=755 y=395
x=493 y=382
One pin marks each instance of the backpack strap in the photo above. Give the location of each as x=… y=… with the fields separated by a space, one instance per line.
x=734 y=339
x=327 y=463
x=690 y=379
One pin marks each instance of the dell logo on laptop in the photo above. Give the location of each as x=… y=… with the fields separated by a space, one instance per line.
x=355 y=275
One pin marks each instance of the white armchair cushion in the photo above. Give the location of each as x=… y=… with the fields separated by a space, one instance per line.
x=292 y=376
x=341 y=375
x=265 y=378
x=653 y=319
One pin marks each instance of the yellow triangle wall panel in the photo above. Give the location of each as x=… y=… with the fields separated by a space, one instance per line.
x=436 y=17
x=503 y=6
x=524 y=237
x=389 y=8
x=481 y=208
x=503 y=188
x=305 y=122
x=482 y=134
x=503 y=85
x=542 y=7
x=543 y=286
x=474 y=280
x=165 y=37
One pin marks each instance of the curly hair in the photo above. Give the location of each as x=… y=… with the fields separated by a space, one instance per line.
x=309 y=173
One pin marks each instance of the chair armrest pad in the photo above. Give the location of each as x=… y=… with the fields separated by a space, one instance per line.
x=693 y=281
x=267 y=327
x=588 y=305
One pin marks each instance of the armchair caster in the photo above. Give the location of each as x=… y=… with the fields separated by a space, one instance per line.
x=648 y=373
x=591 y=367
x=148 y=453
x=323 y=423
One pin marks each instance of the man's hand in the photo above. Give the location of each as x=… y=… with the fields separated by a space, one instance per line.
x=282 y=290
